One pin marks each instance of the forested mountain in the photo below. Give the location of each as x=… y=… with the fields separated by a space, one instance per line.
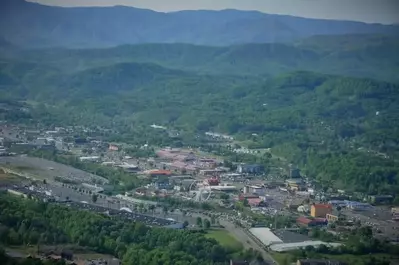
x=336 y=128
x=33 y=25
x=372 y=56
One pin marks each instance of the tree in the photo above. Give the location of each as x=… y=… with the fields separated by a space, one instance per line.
x=224 y=196
x=213 y=219
x=185 y=224
x=165 y=210
x=206 y=224
x=199 y=221
x=94 y=198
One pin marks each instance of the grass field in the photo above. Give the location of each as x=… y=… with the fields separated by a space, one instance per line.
x=224 y=238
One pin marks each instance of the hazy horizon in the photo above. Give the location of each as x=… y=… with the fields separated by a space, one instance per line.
x=369 y=11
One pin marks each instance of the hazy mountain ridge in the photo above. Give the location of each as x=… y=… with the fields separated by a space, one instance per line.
x=33 y=25
x=350 y=55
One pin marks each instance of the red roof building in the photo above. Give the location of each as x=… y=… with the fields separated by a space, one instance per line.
x=254 y=202
x=213 y=181
x=247 y=196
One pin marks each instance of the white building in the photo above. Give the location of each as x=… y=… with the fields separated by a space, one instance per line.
x=293 y=246
x=265 y=236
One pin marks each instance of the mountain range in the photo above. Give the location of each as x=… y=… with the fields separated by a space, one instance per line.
x=33 y=25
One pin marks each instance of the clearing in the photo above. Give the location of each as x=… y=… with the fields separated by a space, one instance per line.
x=224 y=238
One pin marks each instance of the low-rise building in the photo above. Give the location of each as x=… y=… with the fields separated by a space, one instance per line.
x=250 y=169
x=303 y=221
x=320 y=210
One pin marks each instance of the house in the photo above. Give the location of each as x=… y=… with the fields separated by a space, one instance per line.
x=319 y=262
x=320 y=210
x=335 y=216
x=250 y=169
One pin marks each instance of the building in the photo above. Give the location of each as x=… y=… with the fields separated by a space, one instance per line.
x=255 y=202
x=250 y=169
x=381 y=199
x=294 y=184
x=320 y=210
x=158 y=173
x=258 y=190
x=335 y=216
x=17 y=193
x=395 y=210
x=162 y=185
x=242 y=197
x=319 y=262
x=293 y=246
x=265 y=236
x=303 y=221
x=213 y=181
x=113 y=147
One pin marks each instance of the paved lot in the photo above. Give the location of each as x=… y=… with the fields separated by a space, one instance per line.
x=42 y=168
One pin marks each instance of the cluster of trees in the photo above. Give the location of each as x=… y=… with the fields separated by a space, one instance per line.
x=30 y=222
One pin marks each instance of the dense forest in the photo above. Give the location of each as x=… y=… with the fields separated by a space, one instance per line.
x=30 y=222
x=339 y=129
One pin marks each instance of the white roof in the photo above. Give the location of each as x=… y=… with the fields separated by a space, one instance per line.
x=265 y=236
x=294 y=246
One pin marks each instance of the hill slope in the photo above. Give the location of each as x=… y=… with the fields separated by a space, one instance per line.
x=336 y=128
x=352 y=55
x=33 y=25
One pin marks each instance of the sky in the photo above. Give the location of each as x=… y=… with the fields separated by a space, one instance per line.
x=371 y=11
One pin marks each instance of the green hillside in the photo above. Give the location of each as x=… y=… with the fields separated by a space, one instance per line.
x=352 y=55
x=335 y=127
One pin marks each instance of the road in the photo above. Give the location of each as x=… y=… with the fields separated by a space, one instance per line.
x=246 y=240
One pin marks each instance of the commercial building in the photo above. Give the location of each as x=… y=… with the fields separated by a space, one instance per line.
x=265 y=236
x=293 y=246
x=320 y=210
x=250 y=169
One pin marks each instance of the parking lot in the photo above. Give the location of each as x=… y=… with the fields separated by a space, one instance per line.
x=42 y=168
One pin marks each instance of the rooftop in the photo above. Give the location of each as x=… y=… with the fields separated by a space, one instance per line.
x=265 y=235
x=326 y=206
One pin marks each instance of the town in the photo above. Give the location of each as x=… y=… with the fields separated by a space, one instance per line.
x=268 y=212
